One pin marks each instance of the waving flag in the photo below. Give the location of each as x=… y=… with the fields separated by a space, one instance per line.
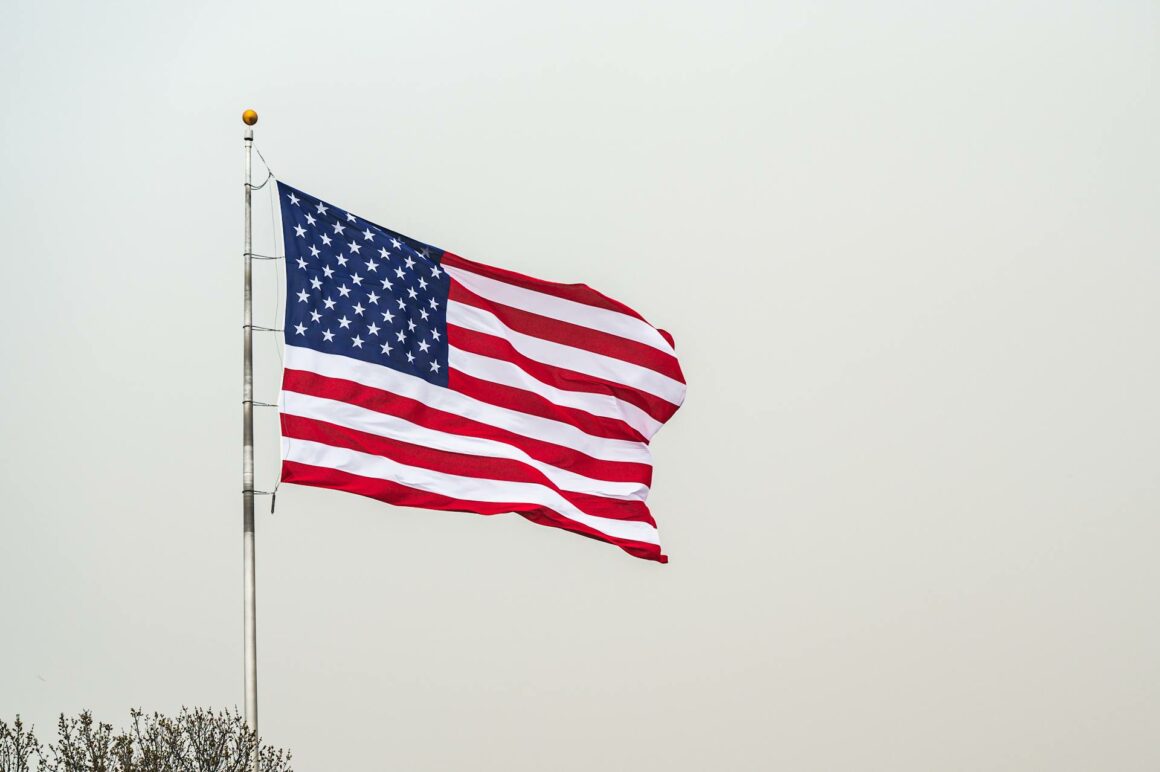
x=423 y=379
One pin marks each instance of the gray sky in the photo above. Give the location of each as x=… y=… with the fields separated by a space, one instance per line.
x=908 y=254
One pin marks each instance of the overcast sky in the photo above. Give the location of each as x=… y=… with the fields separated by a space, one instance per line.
x=908 y=251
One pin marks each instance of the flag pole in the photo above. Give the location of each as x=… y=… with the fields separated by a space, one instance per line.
x=249 y=117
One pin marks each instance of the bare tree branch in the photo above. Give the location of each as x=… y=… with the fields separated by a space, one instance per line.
x=197 y=740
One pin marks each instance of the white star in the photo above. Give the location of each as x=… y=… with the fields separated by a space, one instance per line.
x=411 y=293
x=411 y=325
x=356 y=279
x=434 y=305
x=372 y=265
x=326 y=269
x=302 y=296
x=299 y=231
x=325 y=240
x=343 y=290
x=315 y=316
x=313 y=251
x=373 y=329
x=339 y=227
x=349 y=217
x=327 y=335
x=386 y=348
x=294 y=199
x=355 y=247
x=316 y=283
x=310 y=218
x=373 y=298
x=383 y=253
x=434 y=334
x=423 y=346
x=396 y=243
x=410 y=357
x=434 y=367
x=423 y=313
x=399 y=273
x=321 y=208
x=435 y=272
x=302 y=264
x=328 y=303
x=402 y=305
x=369 y=235
x=344 y=322
x=402 y=336
x=410 y=263
x=300 y=329
x=422 y=283
x=358 y=309
x=357 y=341
x=341 y=260
x=388 y=316
x=387 y=284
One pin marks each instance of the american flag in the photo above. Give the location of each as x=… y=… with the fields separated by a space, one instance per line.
x=420 y=378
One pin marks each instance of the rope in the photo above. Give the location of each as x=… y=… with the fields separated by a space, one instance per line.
x=278 y=340
x=268 y=169
x=268 y=178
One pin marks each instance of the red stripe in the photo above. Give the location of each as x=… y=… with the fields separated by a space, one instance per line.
x=461 y=464
x=577 y=293
x=402 y=495
x=382 y=401
x=569 y=334
x=568 y=380
x=533 y=404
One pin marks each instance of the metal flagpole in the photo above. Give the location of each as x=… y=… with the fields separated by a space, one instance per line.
x=249 y=117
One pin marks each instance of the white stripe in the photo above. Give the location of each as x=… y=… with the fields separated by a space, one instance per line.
x=447 y=400
x=395 y=428
x=568 y=357
x=510 y=374
x=466 y=488
x=612 y=322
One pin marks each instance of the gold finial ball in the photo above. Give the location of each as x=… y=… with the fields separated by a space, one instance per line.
x=249 y=117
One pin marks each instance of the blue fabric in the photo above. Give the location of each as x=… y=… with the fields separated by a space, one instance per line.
x=357 y=289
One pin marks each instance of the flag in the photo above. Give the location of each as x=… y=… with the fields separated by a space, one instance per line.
x=423 y=379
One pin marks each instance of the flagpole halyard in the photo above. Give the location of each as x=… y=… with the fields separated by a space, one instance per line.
x=249 y=117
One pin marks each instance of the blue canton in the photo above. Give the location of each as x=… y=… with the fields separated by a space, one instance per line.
x=356 y=289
